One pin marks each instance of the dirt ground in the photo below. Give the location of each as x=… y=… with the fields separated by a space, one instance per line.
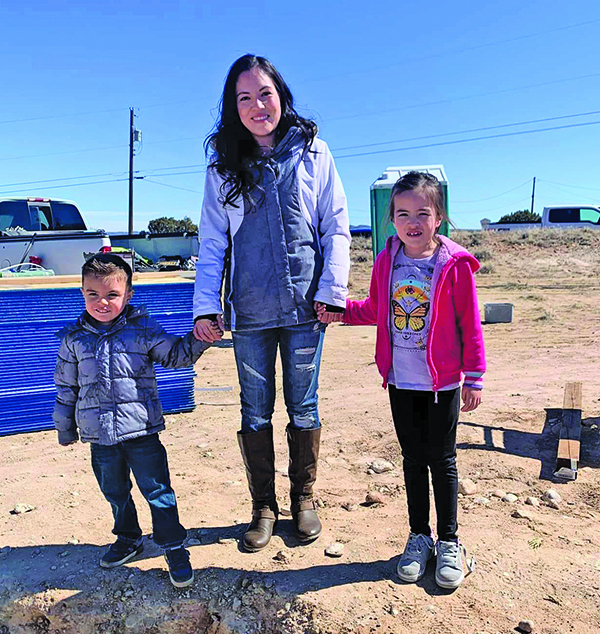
x=544 y=566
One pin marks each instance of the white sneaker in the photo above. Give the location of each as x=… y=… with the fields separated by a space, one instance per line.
x=448 y=568
x=418 y=551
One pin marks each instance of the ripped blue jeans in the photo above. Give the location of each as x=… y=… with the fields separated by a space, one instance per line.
x=255 y=353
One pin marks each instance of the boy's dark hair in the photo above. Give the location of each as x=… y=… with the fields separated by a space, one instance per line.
x=428 y=184
x=107 y=265
x=232 y=146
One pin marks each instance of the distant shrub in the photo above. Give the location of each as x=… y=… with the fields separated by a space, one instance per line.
x=486 y=269
x=523 y=215
x=484 y=255
x=547 y=315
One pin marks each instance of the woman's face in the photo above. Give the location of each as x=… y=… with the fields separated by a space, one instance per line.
x=258 y=105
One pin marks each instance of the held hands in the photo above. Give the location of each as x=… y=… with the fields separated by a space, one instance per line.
x=209 y=331
x=471 y=398
x=325 y=316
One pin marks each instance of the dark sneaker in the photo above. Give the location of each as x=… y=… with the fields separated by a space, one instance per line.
x=180 y=569
x=120 y=553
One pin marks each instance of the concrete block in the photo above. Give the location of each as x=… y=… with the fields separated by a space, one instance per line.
x=498 y=313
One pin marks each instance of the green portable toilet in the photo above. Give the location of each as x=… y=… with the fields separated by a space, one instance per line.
x=381 y=227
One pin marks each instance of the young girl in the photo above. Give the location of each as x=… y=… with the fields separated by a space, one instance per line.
x=423 y=299
x=274 y=205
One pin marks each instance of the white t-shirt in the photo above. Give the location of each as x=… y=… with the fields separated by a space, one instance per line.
x=410 y=313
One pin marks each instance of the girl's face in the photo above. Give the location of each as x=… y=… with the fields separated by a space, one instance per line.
x=258 y=105
x=416 y=222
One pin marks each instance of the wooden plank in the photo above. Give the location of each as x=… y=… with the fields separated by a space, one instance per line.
x=573 y=395
x=567 y=458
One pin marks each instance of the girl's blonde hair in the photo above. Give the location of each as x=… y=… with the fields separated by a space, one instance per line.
x=428 y=184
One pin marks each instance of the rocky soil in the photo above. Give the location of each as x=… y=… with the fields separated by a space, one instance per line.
x=535 y=541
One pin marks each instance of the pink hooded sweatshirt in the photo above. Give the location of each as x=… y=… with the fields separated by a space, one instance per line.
x=455 y=341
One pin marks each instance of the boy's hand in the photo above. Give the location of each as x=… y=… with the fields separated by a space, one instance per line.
x=325 y=316
x=471 y=398
x=209 y=331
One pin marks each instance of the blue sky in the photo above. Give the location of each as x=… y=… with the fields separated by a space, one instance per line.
x=378 y=75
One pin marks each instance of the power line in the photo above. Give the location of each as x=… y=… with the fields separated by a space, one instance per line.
x=492 y=127
x=95 y=149
x=521 y=201
x=409 y=60
x=137 y=172
x=58 y=180
x=114 y=180
x=147 y=180
x=481 y=138
x=481 y=200
x=90 y=112
x=560 y=189
x=543 y=180
x=466 y=97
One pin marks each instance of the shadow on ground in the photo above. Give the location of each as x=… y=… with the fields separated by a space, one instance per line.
x=541 y=446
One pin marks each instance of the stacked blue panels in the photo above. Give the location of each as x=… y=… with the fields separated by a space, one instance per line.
x=29 y=320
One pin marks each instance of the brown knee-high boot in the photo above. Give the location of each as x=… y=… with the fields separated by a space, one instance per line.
x=304 y=453
x=258 y=454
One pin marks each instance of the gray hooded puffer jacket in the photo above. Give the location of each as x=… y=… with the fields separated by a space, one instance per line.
x=106 y=381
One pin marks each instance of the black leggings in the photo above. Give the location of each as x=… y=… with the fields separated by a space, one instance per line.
x=426 y=431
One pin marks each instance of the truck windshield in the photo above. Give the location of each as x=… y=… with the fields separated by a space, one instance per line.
x=47 y=216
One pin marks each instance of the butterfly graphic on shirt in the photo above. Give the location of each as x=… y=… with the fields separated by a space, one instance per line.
x=413 y=319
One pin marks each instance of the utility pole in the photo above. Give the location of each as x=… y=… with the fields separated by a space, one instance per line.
x=533 y=195
x=131 y=135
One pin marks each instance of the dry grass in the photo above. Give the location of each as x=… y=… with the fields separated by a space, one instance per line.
x=554 y=258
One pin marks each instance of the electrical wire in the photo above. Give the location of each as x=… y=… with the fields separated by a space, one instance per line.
x=481 y=138
x=95 y=149
x=543 y=180
x=411 y=60
x=481 y=200
x=373 y=113
x=57 y=180
x=147 y=180
x=560 y=189
x=491 y=127
x=115 y=180
x=521 y=201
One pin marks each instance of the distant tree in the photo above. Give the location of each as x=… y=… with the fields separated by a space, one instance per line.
x=523 y=215
x=172 y=225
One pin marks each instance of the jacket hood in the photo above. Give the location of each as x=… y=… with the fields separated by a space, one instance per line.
x=449 y=250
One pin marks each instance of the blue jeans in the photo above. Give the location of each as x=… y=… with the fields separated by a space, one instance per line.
x=147 y=459
x=255 y=353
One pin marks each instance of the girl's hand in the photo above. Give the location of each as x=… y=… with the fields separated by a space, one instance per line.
x=209 y=331
x=326 y=316
x=471 y=398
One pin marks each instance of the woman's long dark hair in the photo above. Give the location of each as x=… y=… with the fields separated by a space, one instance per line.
x=232 y=147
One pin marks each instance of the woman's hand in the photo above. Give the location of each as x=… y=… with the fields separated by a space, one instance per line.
x=325 y=316
x=209 y=331
x=471 y=398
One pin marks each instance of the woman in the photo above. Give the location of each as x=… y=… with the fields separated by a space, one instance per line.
x=274 y=225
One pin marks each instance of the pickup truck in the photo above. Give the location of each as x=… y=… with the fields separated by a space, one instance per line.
x=561 y=217
x=47 y=232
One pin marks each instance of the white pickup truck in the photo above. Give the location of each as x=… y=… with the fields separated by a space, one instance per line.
x=47 y=232
x=560 y=217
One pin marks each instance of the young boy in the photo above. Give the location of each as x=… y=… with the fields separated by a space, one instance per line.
x=107 y=388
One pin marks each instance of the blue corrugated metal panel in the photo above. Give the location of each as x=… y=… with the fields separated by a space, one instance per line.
x=29 y=321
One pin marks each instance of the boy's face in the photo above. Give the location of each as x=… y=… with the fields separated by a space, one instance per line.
x=105 y=297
